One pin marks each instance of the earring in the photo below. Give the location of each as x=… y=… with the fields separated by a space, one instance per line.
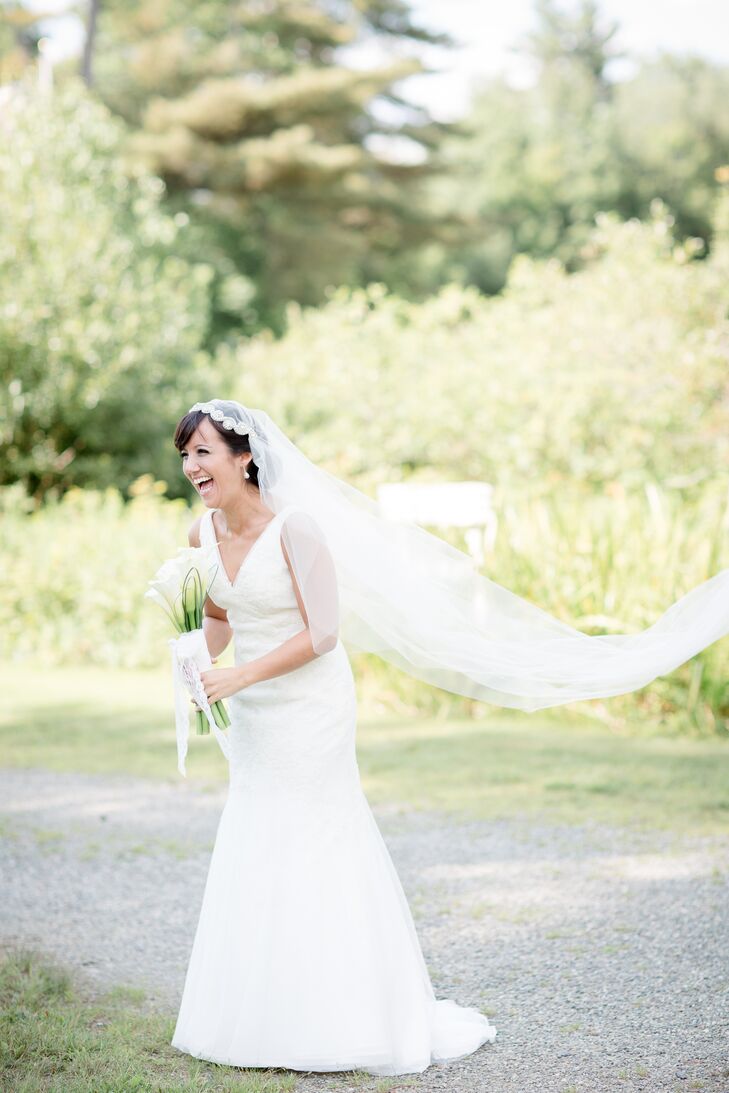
x=246 y=474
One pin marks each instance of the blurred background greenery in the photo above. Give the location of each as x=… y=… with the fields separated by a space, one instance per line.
x=211 y=199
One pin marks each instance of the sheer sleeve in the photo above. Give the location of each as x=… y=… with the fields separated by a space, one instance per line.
x=315 y=577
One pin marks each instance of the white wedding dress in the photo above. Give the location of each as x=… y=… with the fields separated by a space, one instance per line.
x=305 y=954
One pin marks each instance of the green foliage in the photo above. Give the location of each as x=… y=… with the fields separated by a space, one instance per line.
x=19 y=37
x=271 y=142
x=606 y=567
x=553 y=764
x=77 y=573
x=671 y=136
x=594 y=402
x=100 y=321
x=614 y=373
x=614 y=564
x=543 y=161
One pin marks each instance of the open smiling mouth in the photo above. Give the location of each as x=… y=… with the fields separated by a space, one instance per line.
x=204 y=485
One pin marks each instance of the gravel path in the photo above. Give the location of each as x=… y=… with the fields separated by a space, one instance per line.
x=600 y=954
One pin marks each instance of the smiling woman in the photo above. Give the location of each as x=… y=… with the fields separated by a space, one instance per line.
x=217 y=459
x=205 y=446
x=305 y=954
x=303 y=908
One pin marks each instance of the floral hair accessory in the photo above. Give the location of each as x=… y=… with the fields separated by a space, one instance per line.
x=227 y=422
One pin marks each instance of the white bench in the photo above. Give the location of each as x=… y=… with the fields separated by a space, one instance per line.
x=445 y=504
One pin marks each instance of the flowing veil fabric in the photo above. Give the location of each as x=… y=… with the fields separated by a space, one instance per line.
x=421 y=604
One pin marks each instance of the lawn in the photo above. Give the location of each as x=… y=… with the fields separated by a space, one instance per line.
x=58 y=1035
x=554 y=764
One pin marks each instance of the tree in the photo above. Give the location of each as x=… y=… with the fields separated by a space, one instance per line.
x=101 y=331
x=572 y=46
x=543 y=161
x=87 y=59
x=278 y=149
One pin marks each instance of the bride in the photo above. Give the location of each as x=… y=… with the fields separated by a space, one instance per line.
x=305 y=955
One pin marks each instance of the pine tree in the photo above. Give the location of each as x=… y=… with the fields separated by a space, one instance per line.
x=573 y=50
x=274 y=144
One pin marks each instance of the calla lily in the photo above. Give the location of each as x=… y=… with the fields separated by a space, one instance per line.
x=179 y=587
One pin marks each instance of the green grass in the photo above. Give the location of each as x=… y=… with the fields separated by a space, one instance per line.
x=553 y=764
x=60 y=1037
x=537 y=766
x=98 y=720
x=57 y=1037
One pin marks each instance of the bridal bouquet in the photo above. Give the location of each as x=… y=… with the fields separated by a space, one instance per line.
x=180 y=587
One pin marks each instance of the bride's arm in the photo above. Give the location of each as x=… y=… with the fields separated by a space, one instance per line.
x=216 y=627
x=224 y=682
x=314 y=581
x=291 y=654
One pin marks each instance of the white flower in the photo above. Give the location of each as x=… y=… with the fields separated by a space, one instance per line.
x=240 y=428
x=166 y=585
x=216 y=415
x=228 y=423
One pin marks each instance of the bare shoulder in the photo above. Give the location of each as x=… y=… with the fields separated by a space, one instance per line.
x=209 y=608
x=193 y=532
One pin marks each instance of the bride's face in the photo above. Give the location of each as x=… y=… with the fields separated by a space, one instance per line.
x=209 y=464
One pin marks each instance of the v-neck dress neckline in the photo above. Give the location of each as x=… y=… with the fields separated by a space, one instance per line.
x=232 y=584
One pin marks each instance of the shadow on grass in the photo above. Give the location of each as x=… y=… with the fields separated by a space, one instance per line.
x=539 y=767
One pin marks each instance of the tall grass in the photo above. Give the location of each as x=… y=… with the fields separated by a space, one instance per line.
x=614 y=564
x=75 y=572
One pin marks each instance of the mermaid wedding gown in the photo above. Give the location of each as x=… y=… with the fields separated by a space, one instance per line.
x=305 y=955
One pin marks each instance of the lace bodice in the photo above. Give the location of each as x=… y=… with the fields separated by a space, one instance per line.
x=263 y=613
x=261 y=601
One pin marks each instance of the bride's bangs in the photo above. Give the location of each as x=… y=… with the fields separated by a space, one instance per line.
x=186 y=426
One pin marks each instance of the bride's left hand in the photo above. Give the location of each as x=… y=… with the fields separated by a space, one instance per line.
x=222 y=682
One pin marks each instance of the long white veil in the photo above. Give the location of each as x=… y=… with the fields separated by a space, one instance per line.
x=421 y=604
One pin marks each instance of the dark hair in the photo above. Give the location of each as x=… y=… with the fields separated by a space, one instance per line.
x=235 y=441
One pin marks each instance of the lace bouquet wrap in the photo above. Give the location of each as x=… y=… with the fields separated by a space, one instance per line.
x=179 y=587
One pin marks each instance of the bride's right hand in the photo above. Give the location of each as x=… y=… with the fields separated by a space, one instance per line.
x=195 y=707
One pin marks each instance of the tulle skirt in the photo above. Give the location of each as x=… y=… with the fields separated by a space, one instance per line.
x=305 y=955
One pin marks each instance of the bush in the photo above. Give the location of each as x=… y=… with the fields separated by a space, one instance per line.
x=77 y=569
x=76 y=573
x=594 y=402
x=613 y=374
x=100 y=322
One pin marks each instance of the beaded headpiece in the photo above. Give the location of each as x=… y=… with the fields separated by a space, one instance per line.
x=240 y=427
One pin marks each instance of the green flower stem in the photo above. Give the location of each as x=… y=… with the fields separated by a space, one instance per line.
x=220 y=714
